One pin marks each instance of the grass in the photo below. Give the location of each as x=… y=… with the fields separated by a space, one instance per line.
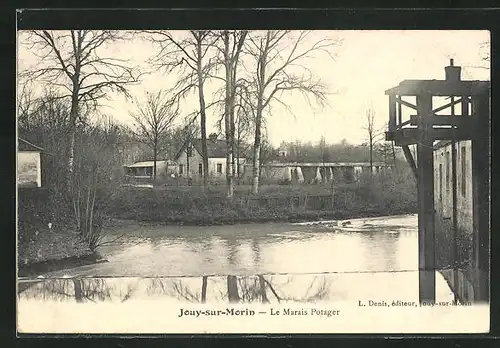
x=191 y=205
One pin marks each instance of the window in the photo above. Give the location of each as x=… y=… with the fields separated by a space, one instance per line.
x=464 y=169
x=200 y=168
x=448 y=170
x=181 y=169
x=219 y=168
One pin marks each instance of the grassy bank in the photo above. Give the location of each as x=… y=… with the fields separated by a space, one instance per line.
x=187 y=205
x=190 y=205
x=39 y=242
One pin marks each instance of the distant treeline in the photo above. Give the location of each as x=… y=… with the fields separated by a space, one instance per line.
x=342 y=151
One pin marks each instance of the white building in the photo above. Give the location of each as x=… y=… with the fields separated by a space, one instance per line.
x=190 y=161
x=29 y=168
x=145 y=169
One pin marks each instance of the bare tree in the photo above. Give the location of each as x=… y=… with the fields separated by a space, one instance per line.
x=185 y=136
x=153 y=120
x=243 y=129
x=73 y=60
x=266 y=153
x=325 y=156
x=374 y=135
x=230 y=50
x=25 y=103
x=274 y=74
x=188 y=56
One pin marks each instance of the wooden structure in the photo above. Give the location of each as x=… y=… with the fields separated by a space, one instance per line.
x=427 y=125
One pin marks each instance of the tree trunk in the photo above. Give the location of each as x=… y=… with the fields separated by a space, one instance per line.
x=371 y=156
x=187 y=161
x=256 y=151
x=203 y=119
x=238 y=174
x=155 y=155
x=71 y=138
x=227 y=119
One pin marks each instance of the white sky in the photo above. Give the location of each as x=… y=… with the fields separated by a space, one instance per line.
x=367 y=63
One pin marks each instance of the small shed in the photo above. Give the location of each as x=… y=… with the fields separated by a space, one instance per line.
x=145 y=169
x=29 y=168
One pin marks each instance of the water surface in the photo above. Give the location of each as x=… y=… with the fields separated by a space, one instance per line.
x=358 y=245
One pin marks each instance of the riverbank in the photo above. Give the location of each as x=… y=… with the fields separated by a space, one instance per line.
x=177 y=207
x=190 y=206
x=261 y=217
x=51 y=246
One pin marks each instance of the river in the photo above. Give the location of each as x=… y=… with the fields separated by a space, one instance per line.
x=380 y=244
x=155 y=270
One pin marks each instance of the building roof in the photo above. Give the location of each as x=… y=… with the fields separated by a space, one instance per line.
x=147 y=164
x=24 y=145
x=216 y=148
x=439 y=87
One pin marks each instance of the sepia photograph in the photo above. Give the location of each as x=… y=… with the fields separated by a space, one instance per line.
x=253 y=181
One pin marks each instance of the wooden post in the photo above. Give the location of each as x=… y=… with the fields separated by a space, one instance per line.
x=454 y=242
x=400 y=111
x=481 y=196
x=425 y=167
x=392 y=112
x=410 y=160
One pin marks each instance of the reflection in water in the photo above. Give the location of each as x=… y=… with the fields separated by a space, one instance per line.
x=249 y=289
x=255 y=251
x=376 y=244
x=79 y=290
x=232 y=248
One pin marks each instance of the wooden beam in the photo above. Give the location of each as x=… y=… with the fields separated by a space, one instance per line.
x=465 y=106
x=389 y=136
x=392 y=112
x=405 y=123
x=454 y=242
x=411 y=135
x=410 y=160
x=453 y=102
x=405 y=103
x=425 y=187
x=400 y=112
x=446 y=120
x=449 y=133
x=439 y=88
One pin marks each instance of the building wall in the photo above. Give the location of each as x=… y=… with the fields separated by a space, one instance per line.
x=461 y=278
x=443 y=184
x=195 y=160
x=162 y=170
x=29 y=169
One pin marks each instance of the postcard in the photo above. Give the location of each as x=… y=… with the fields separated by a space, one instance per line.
x=253 y=181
